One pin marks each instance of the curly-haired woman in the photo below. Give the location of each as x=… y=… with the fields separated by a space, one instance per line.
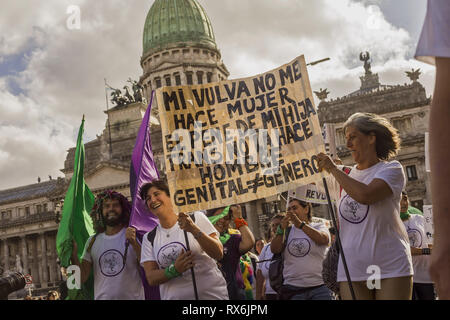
x=372 y=234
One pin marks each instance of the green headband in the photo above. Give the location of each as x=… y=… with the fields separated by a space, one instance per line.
x=224 y=213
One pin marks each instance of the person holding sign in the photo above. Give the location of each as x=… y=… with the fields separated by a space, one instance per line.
x=423 y=288
x=373 y=237
x=235 y=244
x=305 y=250
x=165 y=257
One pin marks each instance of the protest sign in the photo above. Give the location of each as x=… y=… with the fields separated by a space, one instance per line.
x=309 y=193
x=427 y=152
x=240 y=140
x=429 y=228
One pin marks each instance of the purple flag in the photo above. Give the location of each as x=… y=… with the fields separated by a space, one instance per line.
x=143 y=170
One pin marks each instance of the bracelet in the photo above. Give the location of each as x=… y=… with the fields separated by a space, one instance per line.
x=426 y=251
x=280 y=231
x=170 y=272
x=240 y=223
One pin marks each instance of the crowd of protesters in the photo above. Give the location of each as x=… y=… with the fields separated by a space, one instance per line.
x=208 y=255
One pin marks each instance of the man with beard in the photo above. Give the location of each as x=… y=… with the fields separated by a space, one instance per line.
x=114 y=262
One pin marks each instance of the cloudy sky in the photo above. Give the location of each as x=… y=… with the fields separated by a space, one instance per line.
x=50 y=75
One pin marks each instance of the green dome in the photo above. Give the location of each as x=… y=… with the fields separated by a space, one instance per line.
x=177 y=23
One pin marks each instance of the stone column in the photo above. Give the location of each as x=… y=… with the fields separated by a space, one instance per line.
x=35 y=269
x=252 y=217
x=24 y=254
x=53 y=265
x=6 y=254
x=44 y=279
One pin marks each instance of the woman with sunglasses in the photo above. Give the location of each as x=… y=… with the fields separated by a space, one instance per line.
x=305 y=250
x=235 y=245
x=165 y=257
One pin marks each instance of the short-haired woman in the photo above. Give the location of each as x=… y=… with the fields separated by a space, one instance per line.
x=165 y=257
x=372 y=234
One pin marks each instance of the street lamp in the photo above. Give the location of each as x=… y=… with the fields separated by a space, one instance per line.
x=318 y=61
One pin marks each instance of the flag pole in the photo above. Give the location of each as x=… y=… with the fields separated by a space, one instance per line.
x=109 y=124
x=338 y=238
x=192 y=269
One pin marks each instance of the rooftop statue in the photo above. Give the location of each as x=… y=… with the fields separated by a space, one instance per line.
x=322 y=94
x=413 y=74
x=366 y=57
x=137 y=90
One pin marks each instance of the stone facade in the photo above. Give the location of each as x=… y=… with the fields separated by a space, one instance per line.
x=28 y=228
x=407 y=107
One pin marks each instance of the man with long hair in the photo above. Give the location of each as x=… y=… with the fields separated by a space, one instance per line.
x=113 y=252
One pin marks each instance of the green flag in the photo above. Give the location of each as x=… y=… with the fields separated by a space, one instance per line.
x=76 y=223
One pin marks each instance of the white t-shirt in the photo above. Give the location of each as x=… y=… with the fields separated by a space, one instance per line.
x=435 y=37
x=418 y=239
x=374 y=234
x=303 y=258
x=113 y=280
x=266 y=254
x=168 y=244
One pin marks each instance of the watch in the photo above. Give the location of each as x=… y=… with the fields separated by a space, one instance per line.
x=302 y=225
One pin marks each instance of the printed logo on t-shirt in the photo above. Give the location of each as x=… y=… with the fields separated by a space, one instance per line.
x=415 y=238
x=169 y=253
x=299 y=247
x=111 y=263
x=353 y=211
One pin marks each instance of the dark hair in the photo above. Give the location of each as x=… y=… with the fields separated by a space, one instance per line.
x=158 y=184
x=304 y=205
x=332 y=230
x=404 y=193
x=278 y=216
x=211 y=212
x=97 y=210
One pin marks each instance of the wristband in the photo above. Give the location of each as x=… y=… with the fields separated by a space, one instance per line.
x=302 y=225
x=170 y=272
x=240 y=223
x=280 y=231
x=426 y=251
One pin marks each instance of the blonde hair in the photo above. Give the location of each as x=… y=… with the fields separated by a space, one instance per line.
x=387 y=138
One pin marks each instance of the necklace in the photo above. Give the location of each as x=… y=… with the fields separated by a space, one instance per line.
x=165 y=232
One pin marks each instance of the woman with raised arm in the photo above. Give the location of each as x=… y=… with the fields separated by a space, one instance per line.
x=235 y=244
x=374 y=240
x=165 y=257
x=303 y=245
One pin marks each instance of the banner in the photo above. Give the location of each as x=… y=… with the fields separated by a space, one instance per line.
x=329 y=137
x=240 y=140
x=143 y=170
x=309 y=193
x=76 y=223
x=429 y=227
x=427 y=152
